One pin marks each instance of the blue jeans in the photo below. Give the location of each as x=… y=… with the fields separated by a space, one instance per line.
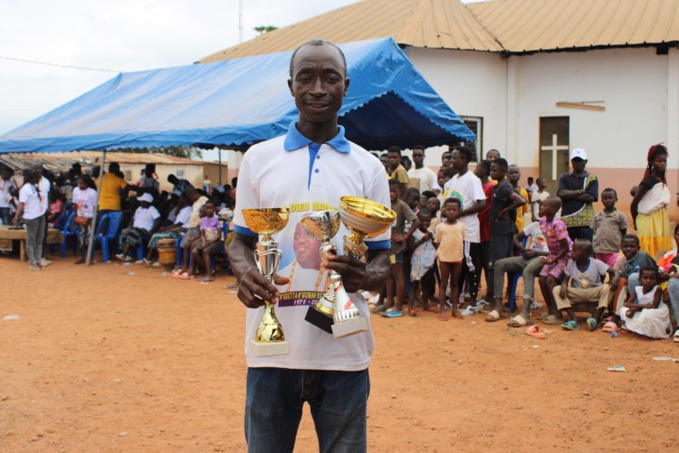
x=338 y=402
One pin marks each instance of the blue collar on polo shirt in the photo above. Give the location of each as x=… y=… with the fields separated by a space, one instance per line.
x=295 y=140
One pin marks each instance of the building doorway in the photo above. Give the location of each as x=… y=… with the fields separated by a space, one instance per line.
x=554 y=147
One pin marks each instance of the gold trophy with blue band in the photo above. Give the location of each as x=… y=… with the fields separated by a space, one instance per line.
x=270 y=338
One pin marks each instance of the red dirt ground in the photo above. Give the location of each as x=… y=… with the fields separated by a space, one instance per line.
x=104 y=361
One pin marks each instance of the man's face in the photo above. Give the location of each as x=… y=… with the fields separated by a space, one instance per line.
x=629 y=248
x=492 y=155
x=608 y=199
x=385 y=161
x=496 y=172
x=542 y=184
x=578 y=165
x=513 y=174
x=394 y=160
x=394 y=192
x=418 y=158
x=307 y=249
x=445 y=156
x=458 y=161
x=318 y=83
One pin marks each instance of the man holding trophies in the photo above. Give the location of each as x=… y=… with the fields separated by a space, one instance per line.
x=305 y=171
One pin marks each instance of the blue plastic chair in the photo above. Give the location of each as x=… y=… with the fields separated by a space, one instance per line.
x=70 y=231
x=213 y=261
x=113 y=220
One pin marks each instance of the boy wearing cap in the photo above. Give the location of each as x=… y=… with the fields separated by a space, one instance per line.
x=146 y=222
x=578 y=190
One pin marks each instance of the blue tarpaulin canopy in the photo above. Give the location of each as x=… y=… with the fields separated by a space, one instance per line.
x=236 y=103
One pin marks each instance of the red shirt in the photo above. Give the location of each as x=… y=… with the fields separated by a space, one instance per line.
x=483 y=214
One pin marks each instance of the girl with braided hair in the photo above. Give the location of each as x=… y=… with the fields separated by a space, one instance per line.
x=649 y=206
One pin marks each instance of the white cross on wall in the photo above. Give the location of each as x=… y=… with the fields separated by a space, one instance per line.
x=554 y=148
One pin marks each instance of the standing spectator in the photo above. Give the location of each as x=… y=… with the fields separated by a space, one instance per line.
x=30 y=202
x=482 y=171
x=85 y=200
x=537 y=198
x=467 y=187
x=578 y=190
x=425 y=175
x=45 y=186
x=149 y=180
x=502 y=218
x=6 y=185
x=396 y=170
x=514 y=175
x=531 y=187
x=649 y=206
x=609 y=226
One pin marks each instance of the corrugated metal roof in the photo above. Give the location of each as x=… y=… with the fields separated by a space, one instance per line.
x=446 y=24
x=533 y=25
x=514 y=26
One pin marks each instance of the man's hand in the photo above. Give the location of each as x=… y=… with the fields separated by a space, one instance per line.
x=546 y=261
x=530 y=254
x=564 y=292
x=352 y=270
x=254 y=289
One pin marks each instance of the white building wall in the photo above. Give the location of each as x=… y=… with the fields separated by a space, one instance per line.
x=472 y=84
x=631 y=82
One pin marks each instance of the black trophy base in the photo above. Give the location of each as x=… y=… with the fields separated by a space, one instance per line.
x=318 y=319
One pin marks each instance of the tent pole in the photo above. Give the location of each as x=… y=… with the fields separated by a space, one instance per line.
x=220 y=166
x=90 y=245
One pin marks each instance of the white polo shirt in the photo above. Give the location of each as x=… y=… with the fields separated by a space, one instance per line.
x=291 y=171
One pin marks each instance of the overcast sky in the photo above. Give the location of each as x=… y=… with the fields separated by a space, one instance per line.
x=117 y=35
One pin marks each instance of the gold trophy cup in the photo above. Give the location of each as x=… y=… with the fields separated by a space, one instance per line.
x=323 y=226
x=363 y=218
x=270 y=339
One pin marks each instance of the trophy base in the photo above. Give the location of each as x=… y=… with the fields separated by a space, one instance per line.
x=318 y=319
x=349 y=327
x=268 y=349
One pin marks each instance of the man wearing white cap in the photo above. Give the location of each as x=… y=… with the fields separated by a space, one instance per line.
x=146 y=222
x=578 y=190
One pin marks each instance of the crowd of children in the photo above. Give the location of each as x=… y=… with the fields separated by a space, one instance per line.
x=68 y=202
x=472 y=223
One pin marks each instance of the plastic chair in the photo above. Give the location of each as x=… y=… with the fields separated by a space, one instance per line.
x=113 y=220
x=70 y=231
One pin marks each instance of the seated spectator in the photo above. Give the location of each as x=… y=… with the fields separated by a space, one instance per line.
x=528 y=264
x=644 y=311
x=210 y=242
x=629 y=273
x=174 y=231
x=192 y=233
x=584 y=274
x=57 y=202
x=146 y=222
x=179 y=185
x=669 y=268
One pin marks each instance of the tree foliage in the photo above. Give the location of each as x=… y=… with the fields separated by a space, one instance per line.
x=187 y=152
x=261 y=29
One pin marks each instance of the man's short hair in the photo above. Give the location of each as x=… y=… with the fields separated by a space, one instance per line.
x=395 y=182
x=318 y=42
x=631 y=237
x=418 y=147
x=394 y=149
x=502 y=163
x=428 y=194
x=485 y=164
x=465 y=153
x=412 y=191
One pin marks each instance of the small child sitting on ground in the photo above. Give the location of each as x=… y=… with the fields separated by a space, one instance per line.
x=584 y=274
x=629 y=273
x=146 y=222
x=644 y=311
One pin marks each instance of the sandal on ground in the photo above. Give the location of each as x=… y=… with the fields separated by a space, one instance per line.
x=519 y=321
x=442 y=317
x=186 y=276
x=392 y=314
x=380 y=309
x=412 y=313
x=570 y=325
x=551 y=319
x=470 y=310
x=591 y=324
x=494 y=316
x=610 y=326
x=535 y=332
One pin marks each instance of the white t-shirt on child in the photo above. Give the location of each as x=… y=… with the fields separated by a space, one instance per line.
x=145 y=217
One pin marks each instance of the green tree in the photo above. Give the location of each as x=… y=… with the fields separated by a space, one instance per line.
x=261 y=29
